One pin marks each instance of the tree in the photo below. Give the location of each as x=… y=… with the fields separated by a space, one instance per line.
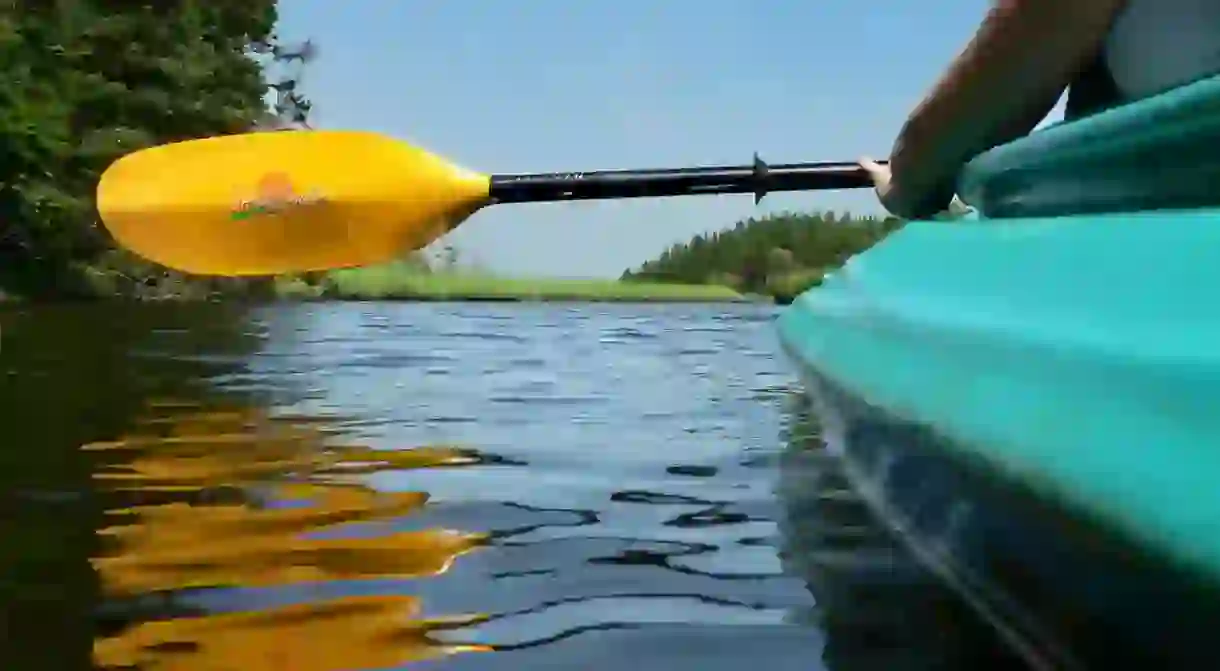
x=83 y=82
x=447 y=258
x=779 y=261
x=777 y=254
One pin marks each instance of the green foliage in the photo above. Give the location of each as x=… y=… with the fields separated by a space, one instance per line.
x=404 y=280
x=83 y=82
x=779 y=255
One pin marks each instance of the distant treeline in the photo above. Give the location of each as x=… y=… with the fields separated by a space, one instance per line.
x=84 y=82
x=780 y=254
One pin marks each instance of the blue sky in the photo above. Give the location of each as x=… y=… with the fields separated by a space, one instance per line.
x=543 y=85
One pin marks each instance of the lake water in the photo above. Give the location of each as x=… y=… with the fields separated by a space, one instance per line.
x=437 y=486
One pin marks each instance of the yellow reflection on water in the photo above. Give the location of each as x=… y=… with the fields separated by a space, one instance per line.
x=300 y=514
x=353 y=633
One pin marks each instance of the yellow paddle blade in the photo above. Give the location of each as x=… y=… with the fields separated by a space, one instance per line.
x=283 y=201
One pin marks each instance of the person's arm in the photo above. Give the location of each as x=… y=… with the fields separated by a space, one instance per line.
x=1002 y=84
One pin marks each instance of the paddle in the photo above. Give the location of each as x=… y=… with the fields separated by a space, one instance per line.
x=285 y=201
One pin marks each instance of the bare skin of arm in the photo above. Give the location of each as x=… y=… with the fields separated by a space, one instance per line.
x=1023 y=57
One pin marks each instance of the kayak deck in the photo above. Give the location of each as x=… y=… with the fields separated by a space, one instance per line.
x=1073 y=354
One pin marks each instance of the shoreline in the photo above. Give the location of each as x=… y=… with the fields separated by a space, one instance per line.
x=19 y=303
x=517 y=299
x=400 y=281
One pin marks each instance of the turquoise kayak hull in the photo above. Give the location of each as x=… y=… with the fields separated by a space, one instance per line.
x=1079 y=351
x=1058 y=345
x=876 y=605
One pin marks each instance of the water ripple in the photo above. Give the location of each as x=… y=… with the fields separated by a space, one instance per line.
x=453 y=486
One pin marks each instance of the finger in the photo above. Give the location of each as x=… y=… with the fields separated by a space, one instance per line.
x=879 y=173
x=869 y=164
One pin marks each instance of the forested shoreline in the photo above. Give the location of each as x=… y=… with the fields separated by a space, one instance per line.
x=778 y=255
x=87 y=81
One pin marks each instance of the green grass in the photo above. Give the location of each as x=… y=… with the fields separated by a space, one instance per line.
x=786 y=287
x=405 y=282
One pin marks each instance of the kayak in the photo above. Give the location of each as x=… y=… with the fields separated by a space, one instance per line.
x=874 y=604
x=1028 y=395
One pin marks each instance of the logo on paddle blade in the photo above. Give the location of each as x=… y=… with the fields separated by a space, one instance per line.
x=275 y=194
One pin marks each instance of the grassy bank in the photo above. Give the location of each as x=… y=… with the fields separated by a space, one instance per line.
x=400 y=281
x=784 y=288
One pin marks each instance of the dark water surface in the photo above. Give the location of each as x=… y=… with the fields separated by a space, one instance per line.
x=378 y=486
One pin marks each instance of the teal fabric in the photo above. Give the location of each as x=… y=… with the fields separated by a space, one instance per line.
x=1162 y=152
x=1079 y=354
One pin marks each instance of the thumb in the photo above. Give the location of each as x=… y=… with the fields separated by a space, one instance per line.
x=879 y=173
x=869 y=164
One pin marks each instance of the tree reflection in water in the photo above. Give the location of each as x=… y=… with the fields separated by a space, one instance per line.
x=207 y=499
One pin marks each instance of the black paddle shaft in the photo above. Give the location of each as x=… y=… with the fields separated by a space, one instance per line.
x=758 y=179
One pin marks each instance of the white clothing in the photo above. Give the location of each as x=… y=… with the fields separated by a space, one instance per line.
x=1155 y=45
